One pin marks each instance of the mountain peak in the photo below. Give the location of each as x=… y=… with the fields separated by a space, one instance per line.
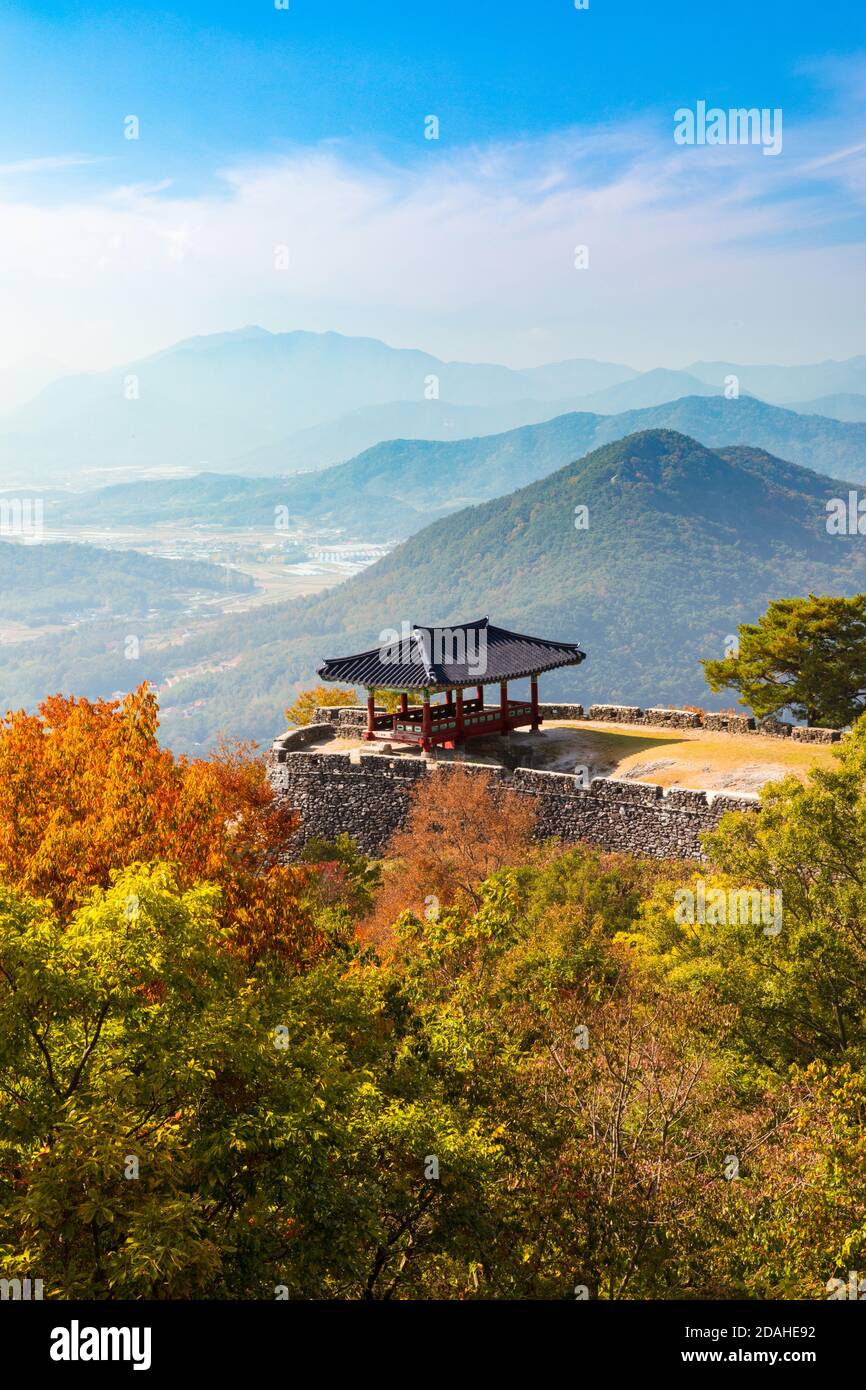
x=207 y=342
x=680 y=543
x=655 y=455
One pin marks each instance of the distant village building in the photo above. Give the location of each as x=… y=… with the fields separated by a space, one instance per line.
x=348 y=553
x=423 y=661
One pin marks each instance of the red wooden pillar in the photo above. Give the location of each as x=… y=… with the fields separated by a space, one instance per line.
x=426 y=725
x=536 y=718
x=503 y=705
x=479 y=693
x=449 y=698
x=404 y=703
x=459 y=732
x=371 y=715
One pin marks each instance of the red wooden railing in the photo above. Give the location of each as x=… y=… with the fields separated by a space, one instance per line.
x=443 y=718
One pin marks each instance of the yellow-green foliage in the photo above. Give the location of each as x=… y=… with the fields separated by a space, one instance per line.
x=554 y=1083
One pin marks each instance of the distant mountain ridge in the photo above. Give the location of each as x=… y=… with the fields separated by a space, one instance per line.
x=255 y=402
x=208 y=400
x=683 y=544
x=444 y=420
x=845 y=405
x=779 y=385
x=655 y=387
x=395 y=488
x=336 y=441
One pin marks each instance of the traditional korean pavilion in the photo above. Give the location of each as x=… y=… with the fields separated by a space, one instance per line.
x=425 y=661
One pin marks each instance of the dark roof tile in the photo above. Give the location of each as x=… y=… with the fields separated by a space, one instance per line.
x=462 y=654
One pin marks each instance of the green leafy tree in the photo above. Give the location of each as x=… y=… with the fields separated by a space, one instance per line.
x=172 y=1127
x=614 y=1110
x=803 y=654
x=800 y=991
x=512 y=1093
x=808 y=1230
x=303 y=711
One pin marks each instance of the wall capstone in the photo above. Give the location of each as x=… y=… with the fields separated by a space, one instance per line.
x=815 y=734
x=617 y=714
x=295 y=739
x=561 y=711
x=675 y=718
x=729 y=723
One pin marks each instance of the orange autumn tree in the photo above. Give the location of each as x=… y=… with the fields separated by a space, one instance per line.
x=86 y=790
x=461 y=828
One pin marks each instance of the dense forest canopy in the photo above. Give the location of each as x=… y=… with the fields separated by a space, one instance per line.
x=486 y=1068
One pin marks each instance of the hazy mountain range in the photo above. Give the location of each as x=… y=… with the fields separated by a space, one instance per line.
x=395 y=488
x=22 y=381
x=683 y=544
x=785 y=384
x=254 y=402
x=843 y=406
x=702 y=508
x=211 y=400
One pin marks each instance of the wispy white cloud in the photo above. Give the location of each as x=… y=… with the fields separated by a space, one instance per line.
x=711 y=252
x=48 y=164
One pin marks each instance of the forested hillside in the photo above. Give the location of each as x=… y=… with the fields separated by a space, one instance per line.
x=397 y=487
x=682 y=544
x=482 y=1069
x=56 y=582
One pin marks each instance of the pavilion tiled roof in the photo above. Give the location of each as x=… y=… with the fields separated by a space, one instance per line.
x=451 y=656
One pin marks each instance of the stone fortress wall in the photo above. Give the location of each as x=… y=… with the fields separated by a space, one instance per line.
x=366 y=794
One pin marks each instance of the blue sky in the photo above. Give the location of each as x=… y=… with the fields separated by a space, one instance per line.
x=222 y=79
x=262 y=127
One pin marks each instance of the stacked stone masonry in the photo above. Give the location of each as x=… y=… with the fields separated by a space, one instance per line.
x=802 y=734
x=343 y=716
x=366 y=795
x=729 y=723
